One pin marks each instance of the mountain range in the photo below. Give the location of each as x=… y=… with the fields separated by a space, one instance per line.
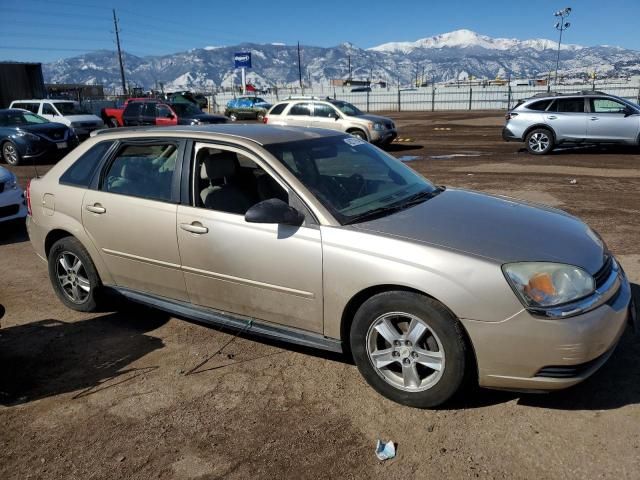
x=456 y=55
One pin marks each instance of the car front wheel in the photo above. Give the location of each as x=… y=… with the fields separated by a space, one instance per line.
x=10 y=153
x=73 y=275
x=540 y=141
x=233 y=116
x=409 y=348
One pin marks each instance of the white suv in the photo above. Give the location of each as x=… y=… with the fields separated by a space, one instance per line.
x=67 y=112
x=334 y=115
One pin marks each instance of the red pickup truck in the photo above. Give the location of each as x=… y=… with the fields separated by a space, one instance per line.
x=112 y=117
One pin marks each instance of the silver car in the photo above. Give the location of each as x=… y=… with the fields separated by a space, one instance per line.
x=319 y=238
x=335 y=115
x=546 y=121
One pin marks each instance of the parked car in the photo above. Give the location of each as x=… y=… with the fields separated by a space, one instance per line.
x=148 y=112
x=547 y=121
x=186 y=96
x=318 y=238
x=334 y=114
x=12 y=202
x=247 y=107
x=26 y=136
x=361 y=89
x=189 y=114
x=66 y=112
x=112 y=117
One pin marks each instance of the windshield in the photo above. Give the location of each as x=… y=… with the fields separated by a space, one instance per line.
x=70 y=108
x=350 y=177
x=186 y=109
x=16 y=118
x=347 y=108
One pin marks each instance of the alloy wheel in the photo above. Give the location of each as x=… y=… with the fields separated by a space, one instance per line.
x=72 y=277
x=539 y=142
x=10 y=153
x=405 y=351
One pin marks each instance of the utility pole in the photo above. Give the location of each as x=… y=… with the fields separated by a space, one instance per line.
x=115 y=23
x=300 y=69
x=349 y=57
x=562 y=26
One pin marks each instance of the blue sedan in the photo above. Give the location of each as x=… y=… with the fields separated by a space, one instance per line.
x=25 y=135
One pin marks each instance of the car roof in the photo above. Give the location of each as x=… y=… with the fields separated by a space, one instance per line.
x=49 y=100
x=260 y=134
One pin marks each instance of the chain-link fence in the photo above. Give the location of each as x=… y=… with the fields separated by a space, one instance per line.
x=438 y=97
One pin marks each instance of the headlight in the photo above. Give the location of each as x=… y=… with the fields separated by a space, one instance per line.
x=27 y=135
x=377 y=126
x=542 y=284
x=12 y=183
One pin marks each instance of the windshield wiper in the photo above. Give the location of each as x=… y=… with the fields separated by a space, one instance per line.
x=415 y=199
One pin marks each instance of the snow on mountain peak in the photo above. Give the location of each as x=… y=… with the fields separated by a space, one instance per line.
x=466 y=38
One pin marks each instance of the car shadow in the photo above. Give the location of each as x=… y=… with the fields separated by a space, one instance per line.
x=14 y=231
x=591 y=150
x=400 y=147
x=50 y=357
x=614 y=385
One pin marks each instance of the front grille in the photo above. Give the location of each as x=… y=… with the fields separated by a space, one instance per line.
x=568 y=371
x=603 y=274
x=9 y=211
x=1 y=187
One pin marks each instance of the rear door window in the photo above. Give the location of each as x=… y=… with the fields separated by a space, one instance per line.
x=324 y=111
x=568 y=105
x=144 y=171
x=301 y=109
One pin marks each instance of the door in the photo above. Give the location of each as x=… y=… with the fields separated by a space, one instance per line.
x=609 y=121
x=49 y=112
x=326 y=116
x=131 y=217
x=264 y=271
x=568 y=118
x=147 y=114
x=132 y=114
x=300 y=115
x=164 y=115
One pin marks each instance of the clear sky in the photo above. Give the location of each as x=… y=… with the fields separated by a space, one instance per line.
x=44 y=30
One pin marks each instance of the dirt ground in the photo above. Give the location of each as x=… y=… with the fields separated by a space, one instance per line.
x=139 y=395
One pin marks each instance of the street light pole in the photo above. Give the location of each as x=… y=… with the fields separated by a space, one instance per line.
x=561 y=25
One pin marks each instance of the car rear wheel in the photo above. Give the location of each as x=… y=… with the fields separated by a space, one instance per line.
x=10 y=153
x=233 y=116
x=73 y=275
x=540 y=141
x=409 y=348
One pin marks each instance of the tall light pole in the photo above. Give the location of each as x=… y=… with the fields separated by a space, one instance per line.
x=561 y=25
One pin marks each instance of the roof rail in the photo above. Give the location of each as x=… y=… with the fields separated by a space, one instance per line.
x=302 y=97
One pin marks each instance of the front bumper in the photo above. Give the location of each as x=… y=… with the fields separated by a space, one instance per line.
x=47 y=149
x=383 y=137
x=12 y=205
x=527 y=352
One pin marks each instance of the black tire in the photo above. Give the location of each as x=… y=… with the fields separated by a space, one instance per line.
x=540 y=141
x=113 y=123
x=260 y=117
x=444 y=329
x=358 y=134
x=10 y=153
x=68 y=247
x=233 y=116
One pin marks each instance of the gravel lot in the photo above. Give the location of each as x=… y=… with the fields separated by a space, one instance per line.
x=139 y=395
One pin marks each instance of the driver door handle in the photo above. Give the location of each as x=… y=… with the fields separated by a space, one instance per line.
x=594 y=118
x=194 y=227
x=552 y=117
x=96 y=208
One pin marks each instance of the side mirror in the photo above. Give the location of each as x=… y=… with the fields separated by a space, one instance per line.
x=274 y=210
x=629 y=111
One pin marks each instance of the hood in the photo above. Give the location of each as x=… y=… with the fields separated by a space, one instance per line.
x=83 y=118
x=5 y=174
x=375 y=118
x=51 y=129
x=499 y=228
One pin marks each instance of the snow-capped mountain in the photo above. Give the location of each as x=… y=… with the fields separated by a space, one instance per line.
x=450 y=56
x=468 y=39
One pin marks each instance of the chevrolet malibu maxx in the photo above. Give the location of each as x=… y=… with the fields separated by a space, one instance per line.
x=318 y=238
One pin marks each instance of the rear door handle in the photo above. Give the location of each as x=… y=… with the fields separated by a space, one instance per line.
x=552 y=117
x=194 y=227
x=594 y=118
x=96 y=208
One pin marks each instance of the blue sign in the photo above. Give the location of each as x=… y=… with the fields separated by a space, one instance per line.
x=242 y=59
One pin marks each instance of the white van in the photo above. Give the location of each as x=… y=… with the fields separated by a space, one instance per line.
x=66 y=112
